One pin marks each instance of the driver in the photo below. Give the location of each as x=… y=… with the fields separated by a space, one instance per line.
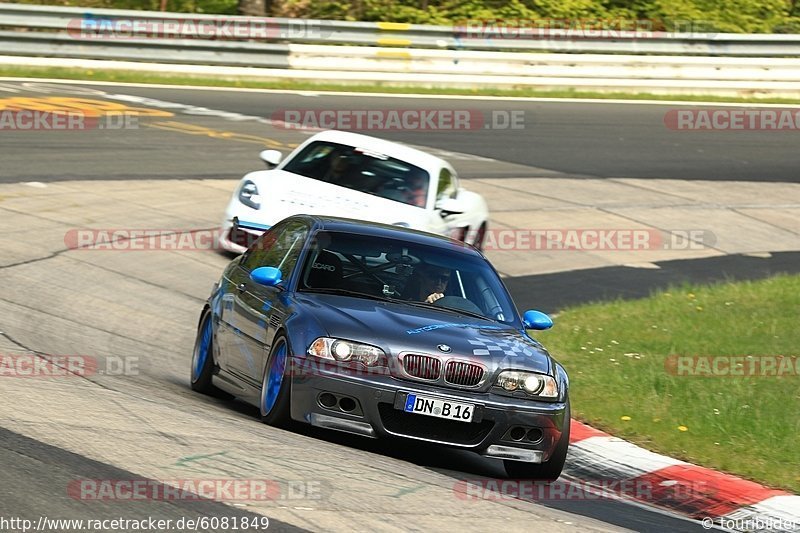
x=429 y=283
x=417 y=191
x=338 y=169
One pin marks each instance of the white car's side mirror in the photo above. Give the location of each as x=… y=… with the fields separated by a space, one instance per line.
x=271 y=157
x=450 y=206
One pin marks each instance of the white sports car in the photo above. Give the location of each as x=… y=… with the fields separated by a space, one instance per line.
x=350 y=175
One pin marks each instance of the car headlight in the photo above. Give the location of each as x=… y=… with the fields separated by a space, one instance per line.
x=248 y=195
x=539 y=385
x=344 y=351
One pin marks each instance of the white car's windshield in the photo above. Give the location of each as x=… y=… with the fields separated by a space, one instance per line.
x=363 y=170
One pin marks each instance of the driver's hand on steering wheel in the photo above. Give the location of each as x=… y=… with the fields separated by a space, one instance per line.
x=433 y=297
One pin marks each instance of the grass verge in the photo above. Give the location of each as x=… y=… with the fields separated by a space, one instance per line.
x=622 y=382
x=145 y=77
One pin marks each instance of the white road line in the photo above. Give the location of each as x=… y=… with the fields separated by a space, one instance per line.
x=408 y=95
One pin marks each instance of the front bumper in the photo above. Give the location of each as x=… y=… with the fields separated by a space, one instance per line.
x=235 y=238
x=371 y=404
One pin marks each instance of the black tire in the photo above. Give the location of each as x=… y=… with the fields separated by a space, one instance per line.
x=279 y=415
x=547 y=471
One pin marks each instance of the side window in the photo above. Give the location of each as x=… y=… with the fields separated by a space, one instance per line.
x=295 y=237
x=447 y=185
x=280 y=247
x=252 y=255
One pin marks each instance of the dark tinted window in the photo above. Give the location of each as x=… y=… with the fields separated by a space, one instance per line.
x=395 y=269
x=362 y=170
x=279 y=247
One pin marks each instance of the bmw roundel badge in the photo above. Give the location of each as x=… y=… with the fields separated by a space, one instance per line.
x=445 y=348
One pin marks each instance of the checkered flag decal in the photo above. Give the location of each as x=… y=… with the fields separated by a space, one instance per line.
x=510 y=346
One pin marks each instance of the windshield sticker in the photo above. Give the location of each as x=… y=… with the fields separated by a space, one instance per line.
x=433 y=327
x=371 y=153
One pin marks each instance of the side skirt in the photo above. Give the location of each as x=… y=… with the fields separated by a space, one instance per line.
x=233 y=385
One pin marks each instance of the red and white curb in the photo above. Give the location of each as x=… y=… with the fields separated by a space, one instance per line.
x=719 y=500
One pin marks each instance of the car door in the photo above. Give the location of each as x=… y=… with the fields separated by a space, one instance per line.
x=258 y=309
x=233 y=354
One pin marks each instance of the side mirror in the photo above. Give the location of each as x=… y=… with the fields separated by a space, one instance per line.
x=271 y=157
x=269 y=276
x=536 y=320
x=449 y=206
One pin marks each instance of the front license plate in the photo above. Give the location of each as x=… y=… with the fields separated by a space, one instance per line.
x=425 y=405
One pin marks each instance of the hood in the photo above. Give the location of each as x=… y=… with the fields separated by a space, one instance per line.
x=290 y=194
x=398 y=327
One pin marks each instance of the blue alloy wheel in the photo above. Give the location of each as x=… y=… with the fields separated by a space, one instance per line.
x=275 y=378
x=203 y=366
x=275 y=388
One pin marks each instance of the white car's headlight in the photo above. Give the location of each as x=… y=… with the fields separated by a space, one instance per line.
x=539 y=385
x=347 y=352
x=248 y=195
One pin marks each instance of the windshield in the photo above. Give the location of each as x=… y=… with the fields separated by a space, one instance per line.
x=379 y=268
x=362 y=170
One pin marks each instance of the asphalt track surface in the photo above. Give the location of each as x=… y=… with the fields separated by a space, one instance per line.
x=598 y=140
x=579 y=139
x=553 y=292
x=47 y=469
x=576 y=139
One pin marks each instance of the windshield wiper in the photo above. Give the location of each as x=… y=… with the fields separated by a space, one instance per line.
x=346 y=292
x=468 y=313
x=443 y=308
x=356 y=294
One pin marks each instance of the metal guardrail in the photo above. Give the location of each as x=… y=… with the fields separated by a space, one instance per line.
x=543 y=65
x=70 y=21
x=395 y=54
x=182 y=51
